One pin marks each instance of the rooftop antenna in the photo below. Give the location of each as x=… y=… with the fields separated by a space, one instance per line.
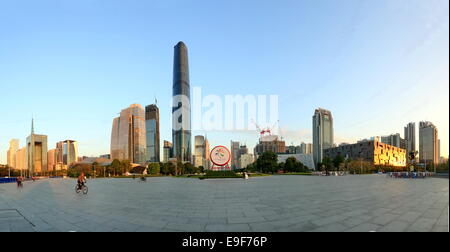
x=32 y=124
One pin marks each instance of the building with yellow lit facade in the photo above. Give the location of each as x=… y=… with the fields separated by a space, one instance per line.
x=372 y=151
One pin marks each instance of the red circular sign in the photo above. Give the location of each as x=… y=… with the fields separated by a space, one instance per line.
x=220 y=156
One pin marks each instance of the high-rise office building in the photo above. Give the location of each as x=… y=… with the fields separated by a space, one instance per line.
x=237 y=151
x=207 y=149
x=36 y=152
x=305 y=148
x=410 y=137
x=200 y=146
x=167 y=151
x=128 y=135
x=323 y=135
x=309 y=148
x=199 y=151
x=152 y=133
x=234 y=154
x=51 y=160
x=302 y=148
x=21 y=159
x=12 y=153
x=66 y=153
x=394 y=140
x=439 y=151
x=70 y=152
x=181 y=110
x=59 y=153
x=428 y=143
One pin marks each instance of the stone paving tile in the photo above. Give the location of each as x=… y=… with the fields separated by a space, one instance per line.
x=240 y=220
x=306 y=226
x=440 y=228
x=355 y=221
x=227 y=228
x=409 y=216
x=334 y=227
x=186 y=227
x=365 y=227
x=384 y=219
x=395 y=226
x=329 y=220
x=422 y=225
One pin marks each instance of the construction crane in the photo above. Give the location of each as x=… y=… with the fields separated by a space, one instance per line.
x=265 y=131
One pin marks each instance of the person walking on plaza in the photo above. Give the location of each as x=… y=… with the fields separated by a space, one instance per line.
x=19 y=180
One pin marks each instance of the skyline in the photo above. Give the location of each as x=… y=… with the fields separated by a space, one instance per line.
x=362 y=68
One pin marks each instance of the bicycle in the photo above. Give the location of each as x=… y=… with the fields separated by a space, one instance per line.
x=83 y=189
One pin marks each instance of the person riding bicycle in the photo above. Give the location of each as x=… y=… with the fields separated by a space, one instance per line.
x=81 y=180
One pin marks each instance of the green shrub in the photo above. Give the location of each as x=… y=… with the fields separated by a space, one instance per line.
x=221 y=174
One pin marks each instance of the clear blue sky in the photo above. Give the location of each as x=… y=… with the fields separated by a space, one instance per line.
x=376 y=64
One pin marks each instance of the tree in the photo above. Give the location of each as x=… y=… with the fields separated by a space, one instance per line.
x=267 y=162
x=188 y=168
x=327 y=163
x=126 y=166
x=172 y=169
x=94 y=165
x=116 y=167
x=282 y=167
x=337 y=161
x=291 y=164
x=77 y=169
x=165 y=168
x=153 y=168
x=251 y=167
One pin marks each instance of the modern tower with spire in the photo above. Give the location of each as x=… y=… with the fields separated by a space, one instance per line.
x=36 y=152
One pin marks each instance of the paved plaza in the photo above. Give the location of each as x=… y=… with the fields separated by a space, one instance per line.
x=274 y=203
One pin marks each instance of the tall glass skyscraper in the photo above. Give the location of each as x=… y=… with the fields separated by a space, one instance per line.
x=428 y=143
x=181 y=108
x=323 y=136
x=152 y=133
x=410 y=137
x=128 y=135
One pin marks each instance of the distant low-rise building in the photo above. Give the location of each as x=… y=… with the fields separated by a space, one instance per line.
x=270 y=143
x=246 y=160
x=306 y=159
